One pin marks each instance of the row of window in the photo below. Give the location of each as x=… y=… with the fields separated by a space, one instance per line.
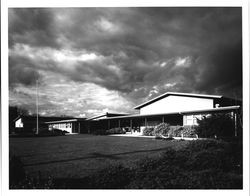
x=61 y=126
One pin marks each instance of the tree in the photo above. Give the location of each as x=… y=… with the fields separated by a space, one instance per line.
x=216 y=125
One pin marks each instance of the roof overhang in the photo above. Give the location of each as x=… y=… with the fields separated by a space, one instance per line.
x=213 y=110
x=140 y=116
x=63 y=121
x=98 y=116
x=203 y=111
x=17 y=118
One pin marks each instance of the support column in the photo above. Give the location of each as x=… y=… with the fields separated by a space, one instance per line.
x=119 y=123
x=79 y=127
x=235 y=124
x=131 y=125
x=88 y=127
x=108 y=124
x=146 y=122
x=163 y=119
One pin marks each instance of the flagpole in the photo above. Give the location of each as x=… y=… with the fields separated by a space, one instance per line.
x=37 y=107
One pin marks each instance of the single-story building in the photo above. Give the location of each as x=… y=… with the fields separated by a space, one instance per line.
x=75 y=125
x=174 y=108
x=81 y=125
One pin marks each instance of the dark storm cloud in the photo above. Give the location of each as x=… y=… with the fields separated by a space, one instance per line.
x=223 y=69
x=137 y=49
x=22 y=71
x=32 y=26
x=148 y=35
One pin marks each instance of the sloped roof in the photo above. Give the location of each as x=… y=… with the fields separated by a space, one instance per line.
x=66 y=120
x=107 y=114
x=177 y=94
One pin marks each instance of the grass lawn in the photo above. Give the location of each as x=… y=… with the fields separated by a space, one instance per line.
x=77 y=156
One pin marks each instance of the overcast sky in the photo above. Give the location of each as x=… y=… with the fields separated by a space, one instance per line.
x=93 y=60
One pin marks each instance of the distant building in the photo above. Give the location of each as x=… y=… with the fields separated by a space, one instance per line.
x=29 y=123
x=75 y=125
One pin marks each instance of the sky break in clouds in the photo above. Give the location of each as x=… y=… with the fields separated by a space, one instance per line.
x=93 y=60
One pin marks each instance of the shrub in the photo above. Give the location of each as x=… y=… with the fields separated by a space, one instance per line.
x=99 y=132
x=189 y=131
x=19 y=179
x=214 y=154
x=53 y=132
x=176 y=131
x=201 y=165
x=58 y=132
x=65 y=132
x=148 y=131
x=116 y=130
x=219 y=125
x=208 y=144
x=162 y=129
x=209 y=179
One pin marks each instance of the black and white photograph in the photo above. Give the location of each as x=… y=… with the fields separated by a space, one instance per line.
x=114 y=98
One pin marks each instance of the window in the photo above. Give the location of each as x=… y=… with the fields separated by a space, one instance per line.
x=190 y=120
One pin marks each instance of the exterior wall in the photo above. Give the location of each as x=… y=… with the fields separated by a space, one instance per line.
x=71 y=127
x=19 y=123
x=62 y=126
x=173 y=103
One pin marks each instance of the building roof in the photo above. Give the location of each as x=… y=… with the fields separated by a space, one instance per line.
x=41 y=118
x=107 y=114
x=65 y=121
x=212 y=110
x=203 y=111
x=177 y=94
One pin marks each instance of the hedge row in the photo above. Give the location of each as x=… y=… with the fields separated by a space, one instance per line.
x=165 y=129
x=213 y=126
x=116 y=130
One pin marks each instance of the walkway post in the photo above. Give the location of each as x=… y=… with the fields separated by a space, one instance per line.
x=131 y=125
x=235 y=124
x=108 y=124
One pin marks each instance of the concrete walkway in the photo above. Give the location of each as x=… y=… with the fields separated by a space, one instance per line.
x=131 y=135
x=152 y=137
